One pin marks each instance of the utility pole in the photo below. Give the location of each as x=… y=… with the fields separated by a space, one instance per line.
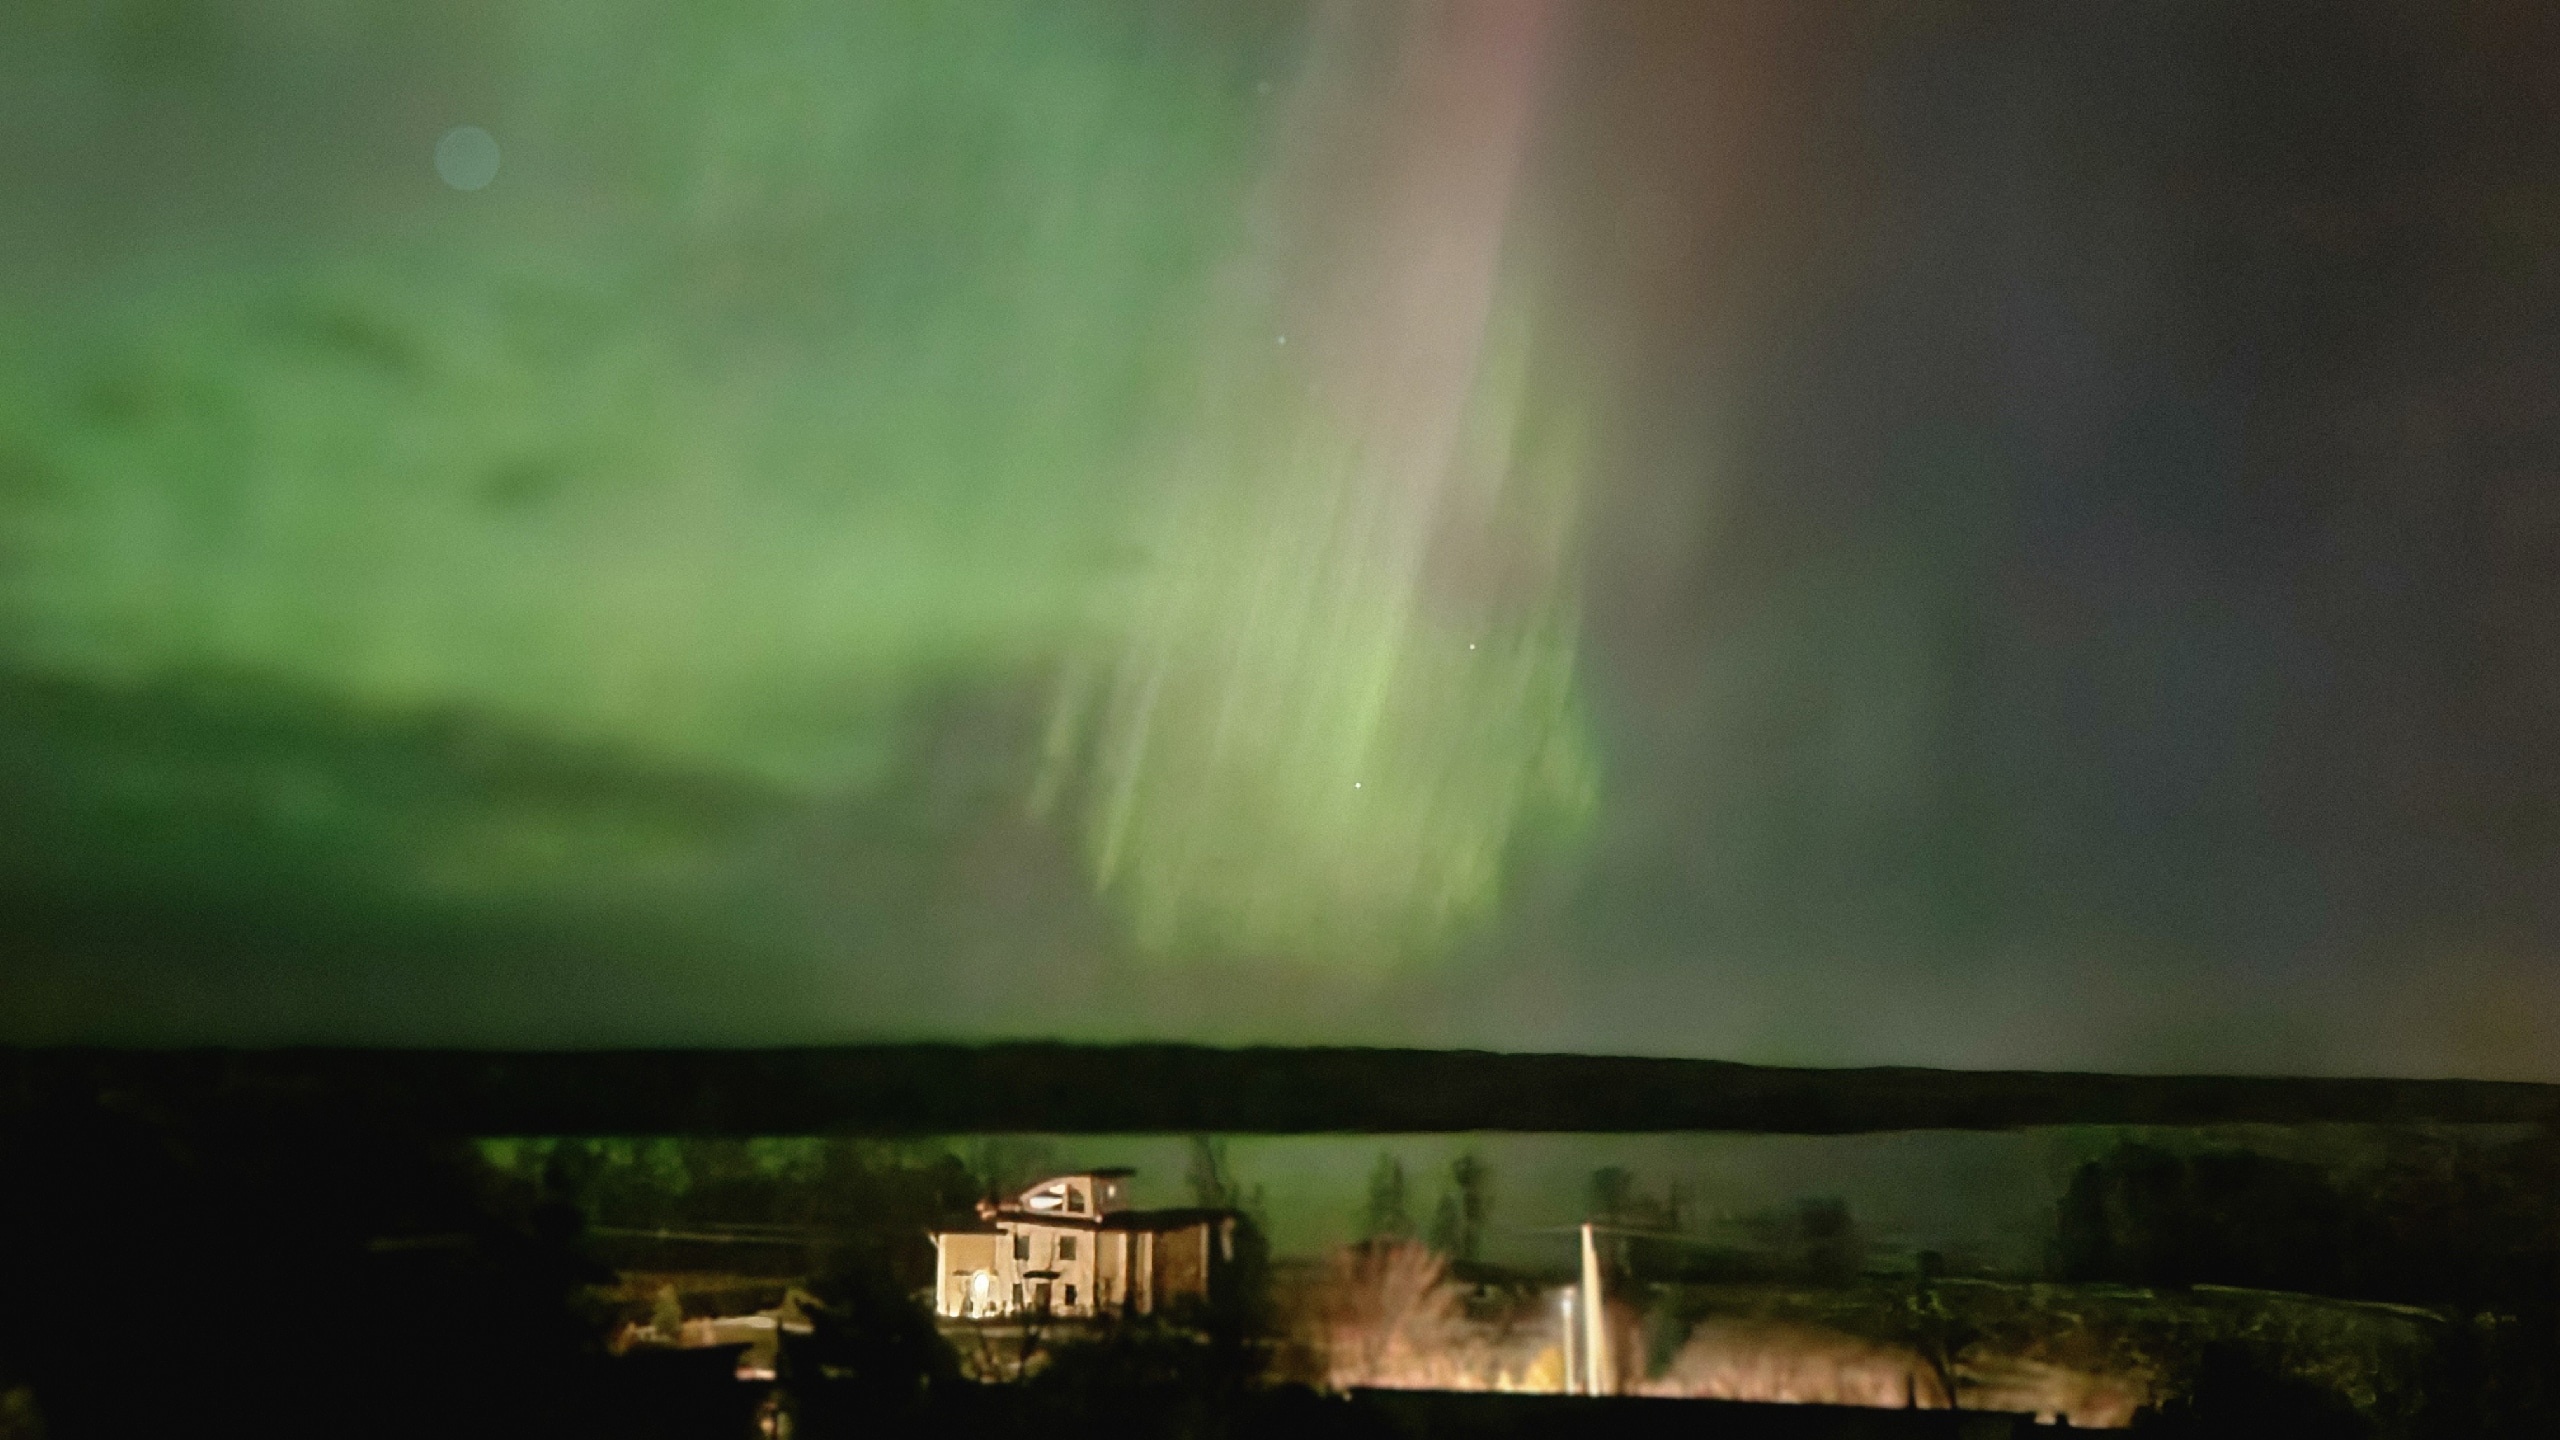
x=1598 y=1374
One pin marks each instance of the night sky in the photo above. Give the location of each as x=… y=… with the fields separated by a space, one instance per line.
x=1968 y=534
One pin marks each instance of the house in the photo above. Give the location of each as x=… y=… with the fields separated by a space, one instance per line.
x=1070 y=1247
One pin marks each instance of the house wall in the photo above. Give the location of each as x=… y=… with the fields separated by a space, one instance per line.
x=963 y=1255
x=1142 y=1274
x=1049 y=1246
x=1182 y=1264
x=1110 y=1269
x=1086 y=1269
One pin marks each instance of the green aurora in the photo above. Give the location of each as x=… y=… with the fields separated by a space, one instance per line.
x=1953 y=534
x=801 y=368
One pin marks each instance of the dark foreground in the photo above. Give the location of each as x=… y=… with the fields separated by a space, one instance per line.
x=309 y=1245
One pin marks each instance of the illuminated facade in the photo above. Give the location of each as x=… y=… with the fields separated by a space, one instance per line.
x=1071 y=1248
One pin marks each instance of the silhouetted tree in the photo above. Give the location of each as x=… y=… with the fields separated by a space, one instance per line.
x=1448 y=1231
x=1611 y=1193
x=1004 y=1164
x=354 y=1277
x=1465 y=1209
x=873 y=1358
x=1829 y=1250
x=1387 y=1216
x=2147 y=1216
x=1213 y=1184
x=1610 y=1199
x=2467 y=1228
x=2236 y=1393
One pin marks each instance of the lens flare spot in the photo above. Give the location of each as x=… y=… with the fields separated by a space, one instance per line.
x=467 y=157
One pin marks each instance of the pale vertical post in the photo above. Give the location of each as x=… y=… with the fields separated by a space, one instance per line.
x=1595 y=1333
x=1146 y=1272
x=942 y=1302
x=1566 y=1309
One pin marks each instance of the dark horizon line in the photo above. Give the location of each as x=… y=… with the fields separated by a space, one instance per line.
x=1046 y=1087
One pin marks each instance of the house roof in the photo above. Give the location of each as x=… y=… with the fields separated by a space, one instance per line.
x=1116 y=1219
x=1108 y=1172
x=1139 y=1221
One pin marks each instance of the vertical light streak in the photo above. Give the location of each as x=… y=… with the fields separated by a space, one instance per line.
x=1598 y=1377
x=1346 y=687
